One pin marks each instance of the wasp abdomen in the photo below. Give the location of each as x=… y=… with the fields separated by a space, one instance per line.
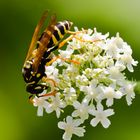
x=60 y=29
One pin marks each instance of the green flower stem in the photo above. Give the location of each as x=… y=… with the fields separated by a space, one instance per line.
x=137 y=88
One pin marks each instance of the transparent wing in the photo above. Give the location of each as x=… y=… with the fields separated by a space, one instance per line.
x=42 y=46
x=35 y=35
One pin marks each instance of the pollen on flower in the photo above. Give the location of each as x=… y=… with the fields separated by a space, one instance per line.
x=99 y=76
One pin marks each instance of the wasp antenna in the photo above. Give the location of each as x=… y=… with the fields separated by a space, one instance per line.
x=53 y=17
x=45 y=13
x=48 y=10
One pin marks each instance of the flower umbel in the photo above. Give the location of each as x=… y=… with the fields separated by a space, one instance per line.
x=98 y=76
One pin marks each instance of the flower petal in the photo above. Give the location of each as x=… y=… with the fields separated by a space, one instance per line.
x=58 y=111
x=100 y=107
x=92 y=111
x=67 y=136
x=109 y=112
x=130 y=68
x=77 y=122
x=109 y=102
x=79 y=131
x=62 y=125
x=105 y=123
x=76 y=104
x=118 y=95
x=69 y=119
x=75 y=113
x=40 y=111
x=94 y=122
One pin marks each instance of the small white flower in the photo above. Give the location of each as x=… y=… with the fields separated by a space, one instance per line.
x=111 y=48
x=101 y=116
x=110 y=94
x=98 y=35
x=81 y=110
x=128 y=90
x=88 y=72
x=81 y=80
x=52 y=72
x=41 y=103
x=92 y=92
x=70 y=95
x=71 y=127
x=114 y=72
x=102 y=61
x=70 y=73
x=66 y=53
x=56 y=105
x=89 y=31
x=128 y=61
x=119 y=41
x=114 y=46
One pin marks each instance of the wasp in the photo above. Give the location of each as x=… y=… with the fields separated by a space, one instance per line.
x=39 y=54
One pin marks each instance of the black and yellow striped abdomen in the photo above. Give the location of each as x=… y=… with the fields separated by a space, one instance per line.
x=60 y=29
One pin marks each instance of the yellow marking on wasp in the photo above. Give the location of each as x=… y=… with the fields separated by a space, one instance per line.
x=27 y=66
x=32 y=82
x=65 y=30
x=26 y=78
x=38 y=42
x=55 y=41
x=68 y=24
x=38 y=75
x=49 y=32
x=38 y=87
x=34 y=52
x=59 y=33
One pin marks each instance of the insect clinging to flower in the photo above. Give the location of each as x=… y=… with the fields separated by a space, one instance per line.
x=40 y=54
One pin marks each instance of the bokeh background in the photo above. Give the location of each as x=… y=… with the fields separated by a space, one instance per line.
x=18 y=18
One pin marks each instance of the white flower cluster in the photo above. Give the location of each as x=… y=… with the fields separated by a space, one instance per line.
x=90 y=79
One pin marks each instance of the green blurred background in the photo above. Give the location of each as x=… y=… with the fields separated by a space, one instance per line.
x=18 y=18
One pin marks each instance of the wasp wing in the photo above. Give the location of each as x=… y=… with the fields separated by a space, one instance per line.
x=35 y=35
x=42 y=45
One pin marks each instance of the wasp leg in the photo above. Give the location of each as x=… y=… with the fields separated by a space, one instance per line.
x=52 y=84
x=31 y=99
x=82 y=40
x=77 y=32
x=49 y=80
x=68 y=60
x=49 y=94
x=64 y=59
x=61 y=44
